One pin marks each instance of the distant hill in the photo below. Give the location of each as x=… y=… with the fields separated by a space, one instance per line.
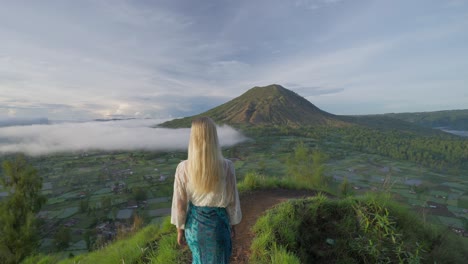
x=451 y=119
x=113 y=119
x=23 y=122
x=384 y=122
x=268 y=105
x=274 y=105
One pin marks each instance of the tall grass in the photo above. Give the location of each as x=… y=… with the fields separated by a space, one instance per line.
x=167 y=250
x=41 y=259
x=128 y=250
x=369 y=229
x=152 y=244
x=279 y=255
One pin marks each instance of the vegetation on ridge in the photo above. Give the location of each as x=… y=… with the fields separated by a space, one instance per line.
x=153 y=244
x=352 y=230
x=451 y=119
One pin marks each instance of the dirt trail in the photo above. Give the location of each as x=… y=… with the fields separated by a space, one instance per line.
x=253 y=205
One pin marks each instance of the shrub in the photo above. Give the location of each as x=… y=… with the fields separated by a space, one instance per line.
x=369 y=229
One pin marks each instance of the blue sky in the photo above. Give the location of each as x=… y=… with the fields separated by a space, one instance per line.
x=79 y=60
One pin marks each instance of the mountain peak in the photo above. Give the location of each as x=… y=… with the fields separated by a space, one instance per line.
x=266 y=105
x=271 y=88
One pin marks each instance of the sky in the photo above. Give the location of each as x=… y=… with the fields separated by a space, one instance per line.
x=82 y=60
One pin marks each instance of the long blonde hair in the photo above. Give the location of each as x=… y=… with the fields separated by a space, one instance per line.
x=205 y=159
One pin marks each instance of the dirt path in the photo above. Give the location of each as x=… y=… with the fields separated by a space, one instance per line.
x=253 y=205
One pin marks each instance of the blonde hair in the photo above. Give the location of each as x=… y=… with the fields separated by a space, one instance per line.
x=205 y=159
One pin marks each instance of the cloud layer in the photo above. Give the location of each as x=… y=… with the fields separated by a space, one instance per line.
x=107 y=136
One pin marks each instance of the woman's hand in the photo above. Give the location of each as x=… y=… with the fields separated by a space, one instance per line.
x=181 y=237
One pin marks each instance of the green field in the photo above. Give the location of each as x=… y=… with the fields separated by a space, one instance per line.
x=87 y=190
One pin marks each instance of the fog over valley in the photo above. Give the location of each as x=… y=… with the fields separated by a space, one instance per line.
x=135 y=134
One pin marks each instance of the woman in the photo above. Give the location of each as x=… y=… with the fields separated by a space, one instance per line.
x=205 y=202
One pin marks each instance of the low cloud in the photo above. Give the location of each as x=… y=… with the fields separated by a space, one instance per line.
x=314 y=91
x=106 y=136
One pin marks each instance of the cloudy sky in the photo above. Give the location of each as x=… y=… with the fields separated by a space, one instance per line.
x=80 y=60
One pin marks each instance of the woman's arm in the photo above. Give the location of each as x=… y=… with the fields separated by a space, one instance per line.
x=233 y=208
x=179 y=198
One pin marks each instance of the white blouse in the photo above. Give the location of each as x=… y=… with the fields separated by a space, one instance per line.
x=227 y=197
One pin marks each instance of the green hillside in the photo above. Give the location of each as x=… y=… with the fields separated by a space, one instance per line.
x=152 y=244
x=388 y=123
x=452 y=119
x=274 y=105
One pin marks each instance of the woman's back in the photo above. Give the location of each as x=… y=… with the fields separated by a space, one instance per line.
x=205 y=204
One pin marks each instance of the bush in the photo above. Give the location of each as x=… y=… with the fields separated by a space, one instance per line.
x=256 y=181
x=370 y=229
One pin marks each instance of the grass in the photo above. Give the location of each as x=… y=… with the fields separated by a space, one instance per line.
x=152 y=244
x=281 y=255
x=370 y=229
x=257 y=181
x=159 y=205
x=42 y=259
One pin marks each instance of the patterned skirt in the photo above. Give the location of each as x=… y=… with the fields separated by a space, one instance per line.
x=208 y=234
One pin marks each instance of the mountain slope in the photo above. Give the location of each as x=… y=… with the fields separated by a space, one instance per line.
x=268 y=105
x=274 y=105
x=453 y=119
x=387 y=123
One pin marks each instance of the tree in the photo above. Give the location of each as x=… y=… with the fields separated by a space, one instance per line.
x=62 y=238
x=84 y=205
x=306 y=167
x=345 y=188
x=318 y=167
x=106 y=203
x=261 y=167
x=18 y=232
x=139 y=194
x=299 y=163
x=465 y=224
x=137 y=223
x=89 y=237
x=115 y=211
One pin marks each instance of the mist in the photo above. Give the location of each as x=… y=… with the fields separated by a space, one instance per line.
x=106 y=136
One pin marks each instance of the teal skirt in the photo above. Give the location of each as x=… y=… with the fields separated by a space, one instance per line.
x=208 y=234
